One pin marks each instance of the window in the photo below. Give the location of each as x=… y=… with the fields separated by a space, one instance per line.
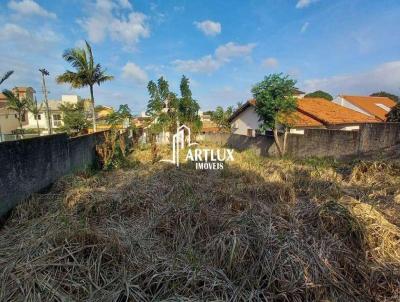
x=37 y=117
x=57 y=120
x=250 y=132
x=23 y=117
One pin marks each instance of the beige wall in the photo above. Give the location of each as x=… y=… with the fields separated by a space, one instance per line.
x=8 y=121
x=248 y=119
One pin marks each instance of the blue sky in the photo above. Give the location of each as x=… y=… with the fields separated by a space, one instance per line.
x=224 y=47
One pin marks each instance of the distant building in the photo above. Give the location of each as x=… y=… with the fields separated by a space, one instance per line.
x=8 y=118
x=373 y=106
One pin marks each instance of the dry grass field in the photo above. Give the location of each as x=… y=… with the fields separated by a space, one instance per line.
x=259 y=230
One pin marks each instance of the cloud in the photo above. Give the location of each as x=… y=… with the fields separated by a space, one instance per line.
x=30 y=7
x=209 y=28
x=206 y=64
x=134 y=72
x=304 y=3
x=210 y=63
x=11 y=31
x=304 y=27
x=125 y=4
x=270 y=63
x=107 y=20
x=383 y=77
x=230 y=50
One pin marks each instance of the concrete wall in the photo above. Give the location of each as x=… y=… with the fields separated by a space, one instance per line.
x=317 y=142
x=30 y=165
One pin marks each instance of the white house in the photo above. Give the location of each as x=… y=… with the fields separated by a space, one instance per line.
x=310 y=113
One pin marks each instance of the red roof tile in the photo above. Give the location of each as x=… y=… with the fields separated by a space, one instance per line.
x=369 y=104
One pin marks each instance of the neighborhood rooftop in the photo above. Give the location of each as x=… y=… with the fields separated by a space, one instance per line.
x=371 y=105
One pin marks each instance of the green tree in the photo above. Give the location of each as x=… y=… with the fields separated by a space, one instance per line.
x=188 y=109
x=394 y=114
x=118 y=117
x=74 y=118
x=162 y=106
x=274 y=104
x=87 y=72
x=34 y=108
x=386 y=94
x=221 y=118
x=19 y=105
x=319 y=94
x=6 y=76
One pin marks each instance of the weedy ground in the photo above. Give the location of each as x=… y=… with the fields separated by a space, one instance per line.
x=261 y=229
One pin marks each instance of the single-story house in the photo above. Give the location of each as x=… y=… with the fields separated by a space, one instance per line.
x=310 y=113
x=373 y=106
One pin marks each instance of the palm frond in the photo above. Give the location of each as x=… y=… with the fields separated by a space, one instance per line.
x=6 y=76
x=72 y=78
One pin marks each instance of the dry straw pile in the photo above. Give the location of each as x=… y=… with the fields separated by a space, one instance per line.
x=259 y=230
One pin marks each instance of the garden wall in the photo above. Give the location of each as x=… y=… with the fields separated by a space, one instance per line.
x=317 y=142
x=30 y=165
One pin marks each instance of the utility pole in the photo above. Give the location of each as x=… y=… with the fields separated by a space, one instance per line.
x=44 y=72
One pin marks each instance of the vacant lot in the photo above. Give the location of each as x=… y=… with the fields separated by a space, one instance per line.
x=261 y=229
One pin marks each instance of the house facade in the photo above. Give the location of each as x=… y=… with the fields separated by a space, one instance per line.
x=377 y=107
x=8 y=118
x=316 y=113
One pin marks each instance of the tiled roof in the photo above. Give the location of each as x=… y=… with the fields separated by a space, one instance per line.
x=330 y=113
x=369 y=104
x=317 y=112
x=298 y=119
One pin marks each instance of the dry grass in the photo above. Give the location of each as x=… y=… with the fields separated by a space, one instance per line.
x=261 y=229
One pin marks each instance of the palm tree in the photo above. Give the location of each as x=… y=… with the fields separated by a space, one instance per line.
x=16 y=104
x=87 y=73
x=6 y=76
x=33 y=108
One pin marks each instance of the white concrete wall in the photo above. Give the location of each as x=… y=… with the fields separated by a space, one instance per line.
x=342 y=102
x=32 y=121
x=248 y=119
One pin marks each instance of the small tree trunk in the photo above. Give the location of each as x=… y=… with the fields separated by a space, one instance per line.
x=93 y=113
x=37 y=124
x=277 y=142
x=20 y=123
x=284 y=142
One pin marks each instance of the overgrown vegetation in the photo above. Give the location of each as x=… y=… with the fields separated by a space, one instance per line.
x=259 y=230
x=74 y=117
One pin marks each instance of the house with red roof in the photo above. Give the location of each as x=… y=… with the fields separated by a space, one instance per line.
x=373 y=106
x=311 y=113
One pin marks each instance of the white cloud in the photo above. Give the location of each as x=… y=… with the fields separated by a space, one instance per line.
x=304 y=27
x=230 y=50
x=134 y=72
x=222 y=55
x=30 y=7
x=209 y=28
x=106 y=20
x=270 y=63
x=10 y=31
x=383 y=77
x=125 y=4
x=304 y=3
x=206 y=64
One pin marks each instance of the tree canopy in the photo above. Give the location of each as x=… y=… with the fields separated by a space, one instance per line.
x=74 y=118
x=221 y=117
x=394 y=114
x=118 y=117
x=386 y=94
x=319 y=94
x=274 y=104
